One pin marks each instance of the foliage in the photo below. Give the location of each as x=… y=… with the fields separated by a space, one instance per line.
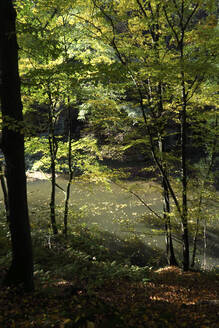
x=86 y=158
x=80 y=282
x=132 y=70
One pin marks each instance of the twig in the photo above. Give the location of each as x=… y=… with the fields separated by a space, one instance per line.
x=140 y=199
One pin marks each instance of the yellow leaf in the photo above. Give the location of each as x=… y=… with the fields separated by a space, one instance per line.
x=90 y=324
x=65 y=322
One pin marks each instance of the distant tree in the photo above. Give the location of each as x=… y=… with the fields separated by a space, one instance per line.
x=21 y=269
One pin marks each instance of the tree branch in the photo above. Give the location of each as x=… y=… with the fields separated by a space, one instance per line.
x=190 y=16
x=140 y=199
x=171 y=25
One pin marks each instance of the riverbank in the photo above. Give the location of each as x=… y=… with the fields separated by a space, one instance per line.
x=37 y=175
x=117 y=211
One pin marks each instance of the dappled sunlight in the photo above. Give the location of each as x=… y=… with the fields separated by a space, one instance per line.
x=108 y=164
x=177 y=286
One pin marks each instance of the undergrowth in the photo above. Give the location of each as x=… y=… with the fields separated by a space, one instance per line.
x=94 y=279
x=85 y=255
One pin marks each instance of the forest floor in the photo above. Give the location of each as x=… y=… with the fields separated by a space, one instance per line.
x=168 y=297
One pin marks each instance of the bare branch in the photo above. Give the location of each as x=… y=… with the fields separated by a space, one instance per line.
x=177 y=8
x=142 y=9
x=139 y=198
x=51 y=17
x=119 y=55
x=151 y=10
x=89 y=22
x=195 y=89
x=171 y=25
x=191 y=15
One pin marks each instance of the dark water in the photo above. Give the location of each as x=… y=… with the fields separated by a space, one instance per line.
x=115 y=210
x=112 y=208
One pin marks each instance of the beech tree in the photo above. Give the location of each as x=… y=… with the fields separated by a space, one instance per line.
x=54 y=79
x=167 y=50
x=21 y=269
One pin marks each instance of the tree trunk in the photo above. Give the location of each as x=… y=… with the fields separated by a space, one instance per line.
x=21 y=269
x=166 y=209
x=52 y=198
x=171 y=259
x=4 y=191
x=204 y=245
x=53 y=151
x=70 y=177
x=185 y=230
x=166 y=197
x=195 y=240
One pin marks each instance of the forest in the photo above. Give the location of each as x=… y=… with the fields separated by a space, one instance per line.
x=109 y=160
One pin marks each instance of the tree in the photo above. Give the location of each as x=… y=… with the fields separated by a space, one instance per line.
x=4 y=190
x=51 y=81
x=183 y=29
x=21 y=269
x=152 y=57
x=167 y=59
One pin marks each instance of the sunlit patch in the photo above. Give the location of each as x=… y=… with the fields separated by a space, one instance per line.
x=171 y=269
x=158 y=298
x=62 y=283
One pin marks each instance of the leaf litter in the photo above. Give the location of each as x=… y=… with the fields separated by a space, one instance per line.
x=171 y=298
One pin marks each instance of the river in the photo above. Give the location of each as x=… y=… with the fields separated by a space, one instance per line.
x=115 y=210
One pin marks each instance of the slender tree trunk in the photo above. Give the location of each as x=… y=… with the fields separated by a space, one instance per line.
x=178 y=27
x=53 y=151
x=205 y=245
x=166 y=214
x=166 y=208
x=166 y=197
x=204 y=185
x=52 y=198
x=21 y=269
x=68 y=191
x=185 y=234
x=195 y=240
x=70 y=170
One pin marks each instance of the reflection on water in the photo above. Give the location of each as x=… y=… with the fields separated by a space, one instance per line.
x=102 y=205
x=114 y=209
